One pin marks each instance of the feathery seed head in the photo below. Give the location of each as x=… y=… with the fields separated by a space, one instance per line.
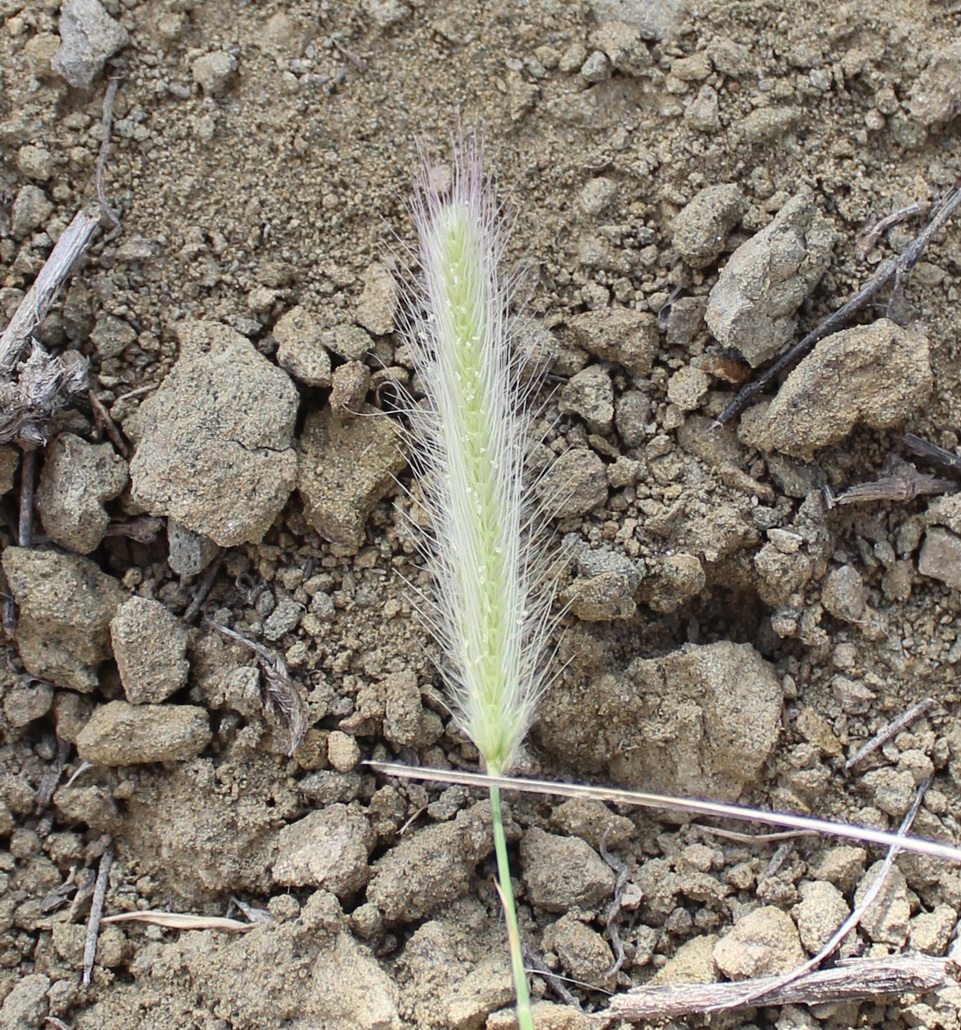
x=488 y=615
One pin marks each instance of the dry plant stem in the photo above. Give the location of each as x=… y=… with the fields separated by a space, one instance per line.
x=105 y=209
x=617 y=902
x=518 y=973
x=870 y=236
x=52 y=777
x=28 y=479
x=861 y=978
x=931 y=452
x=895 y=726
x=899 y=481
x=96 y=912
x=179 y=921
x=204 y=588
x=891 y=269
x=73 y=242
x=642 y=799
x=7 y=612
x=556 y=983
x=102 y=416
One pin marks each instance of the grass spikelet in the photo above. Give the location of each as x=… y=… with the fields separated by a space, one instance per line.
x=490 y=613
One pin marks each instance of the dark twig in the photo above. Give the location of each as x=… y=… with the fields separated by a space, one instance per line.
x=28 y=480
x=203 y=589
x=861 y=978
x=869 y=237
x=7 y=611
x=50 y=779
x=895 y=726
x=534 y=965
x=931 y=452
x=893 y=268
x=106 y=210
x=102 y=417
x=96 y=913
x=143 y=529
x=617 y=902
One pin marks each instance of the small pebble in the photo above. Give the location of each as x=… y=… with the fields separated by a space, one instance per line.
x=119 y=733
x=35 y=162
x=343 y=751
x=562 y=873
x=149 y=644
x=30 y=210
x=596 y=68
x=214 y=72
x=764 y=943
x=88 y=37
x=700 y=230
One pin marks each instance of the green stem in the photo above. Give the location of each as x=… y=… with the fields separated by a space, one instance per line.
x=525 y=1020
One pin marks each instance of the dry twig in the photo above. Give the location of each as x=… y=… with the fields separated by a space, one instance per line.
x=50 y=779
x=180 y=921
x=203 y=589
x=892 y=269
x=533 y=964
x=869 y=237
x=107 y=126
x=931 y=452
x=895 y=726
x=8 y=615
x=617 y=902
x=28 y=480
x=96 y=913
x=102 y=417
x=858 y=979
x=899 y=481
x=33 y=388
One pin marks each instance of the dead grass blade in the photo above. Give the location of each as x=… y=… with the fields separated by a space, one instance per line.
x=179 y=921
x=696 y=806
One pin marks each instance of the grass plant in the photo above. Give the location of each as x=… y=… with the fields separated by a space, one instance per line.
x=489 y=613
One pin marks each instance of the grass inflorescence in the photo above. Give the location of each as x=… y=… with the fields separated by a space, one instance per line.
x=490 y=610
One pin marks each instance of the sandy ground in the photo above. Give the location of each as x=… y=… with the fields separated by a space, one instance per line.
x=689 y=186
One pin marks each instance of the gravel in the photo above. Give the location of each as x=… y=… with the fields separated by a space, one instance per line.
x=77 y=479
x=214 y=447
x=119 y=733
x=753 y=304
x=66 y=604
x=149 y=644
